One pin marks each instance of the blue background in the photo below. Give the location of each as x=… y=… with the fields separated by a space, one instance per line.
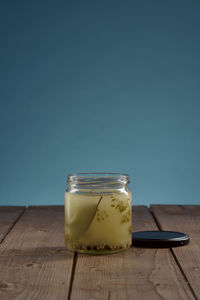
x=100 y=86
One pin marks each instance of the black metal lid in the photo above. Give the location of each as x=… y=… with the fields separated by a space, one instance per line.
x=159 y=239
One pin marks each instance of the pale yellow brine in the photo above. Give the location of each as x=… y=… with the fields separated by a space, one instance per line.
x=98 y=223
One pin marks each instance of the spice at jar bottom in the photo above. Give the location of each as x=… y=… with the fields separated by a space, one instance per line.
x=98 y=216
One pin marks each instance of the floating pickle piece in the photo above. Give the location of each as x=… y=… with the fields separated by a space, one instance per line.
x=80 y=218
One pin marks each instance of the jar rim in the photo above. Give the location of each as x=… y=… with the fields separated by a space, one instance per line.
x=93 y=176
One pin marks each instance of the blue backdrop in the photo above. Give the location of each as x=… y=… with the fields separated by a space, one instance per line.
x=100 y=86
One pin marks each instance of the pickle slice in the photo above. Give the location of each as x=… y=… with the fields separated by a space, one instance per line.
x=80 y=216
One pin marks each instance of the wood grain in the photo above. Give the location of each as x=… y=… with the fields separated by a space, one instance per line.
x=8 y=216
x=34 y=262
x=185 y=219
x=133 y=274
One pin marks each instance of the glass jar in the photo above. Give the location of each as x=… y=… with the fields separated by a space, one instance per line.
x=98 y=213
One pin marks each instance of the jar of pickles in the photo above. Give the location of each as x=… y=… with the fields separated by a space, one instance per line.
x=98 y=214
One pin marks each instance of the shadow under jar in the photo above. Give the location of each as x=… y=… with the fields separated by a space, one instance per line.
x=98 y=215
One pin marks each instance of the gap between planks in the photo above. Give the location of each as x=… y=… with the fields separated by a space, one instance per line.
x=13 y=225
x=174 y=255
x=72 y=275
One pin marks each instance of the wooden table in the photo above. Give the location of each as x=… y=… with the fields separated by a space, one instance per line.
x=34 y=263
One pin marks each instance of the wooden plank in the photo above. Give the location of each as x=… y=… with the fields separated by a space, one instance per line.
x=8 y=216
x=133 y=274
x=185 y=219
x=34 y=262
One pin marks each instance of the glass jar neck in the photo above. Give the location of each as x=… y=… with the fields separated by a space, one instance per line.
x=97 y=181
